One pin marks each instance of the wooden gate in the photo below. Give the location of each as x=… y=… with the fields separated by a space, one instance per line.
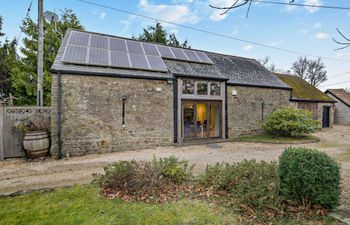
x=11 y=140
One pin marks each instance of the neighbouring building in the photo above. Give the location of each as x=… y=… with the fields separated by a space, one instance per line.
x=111 y=94
x=342 y=107
x=306 y=96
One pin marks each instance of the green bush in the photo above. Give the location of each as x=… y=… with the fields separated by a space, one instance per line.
x=309 y=176
x=248 y=182
x=290 y=122
x=172 y=168
x=134 y=177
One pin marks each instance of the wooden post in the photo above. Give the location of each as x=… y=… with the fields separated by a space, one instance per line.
x=2 y=135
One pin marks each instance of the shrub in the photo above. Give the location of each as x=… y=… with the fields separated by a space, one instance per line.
x=172 y=168
x=248 y=182
x=290 y=122
x=309 y=176
x=135 y=178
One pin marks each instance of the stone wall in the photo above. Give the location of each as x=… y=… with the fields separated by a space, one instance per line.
x=244 y=111
x=342 y=112
x=92 y=114
x=331 y=113
x=319 y=111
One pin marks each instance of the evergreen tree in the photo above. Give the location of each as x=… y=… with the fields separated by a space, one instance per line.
x=24 y=73
x=158 y=34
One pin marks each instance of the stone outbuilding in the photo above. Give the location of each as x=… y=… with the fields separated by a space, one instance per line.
x=342 y=107
x=112 y=93
x=306 y=96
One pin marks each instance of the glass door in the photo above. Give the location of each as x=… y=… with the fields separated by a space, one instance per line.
x=215 y=119
x=188 y=120
x=201 y=119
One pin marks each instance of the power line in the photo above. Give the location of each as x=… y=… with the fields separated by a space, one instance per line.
x=337 y=75
x=303 y=5
x=26 y=17
x=344 y=82
x=211 y=33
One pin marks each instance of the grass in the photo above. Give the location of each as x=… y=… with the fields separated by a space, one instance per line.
x=265 y=138
x=83 y=205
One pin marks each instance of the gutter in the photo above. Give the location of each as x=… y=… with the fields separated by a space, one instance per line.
x=59 y=115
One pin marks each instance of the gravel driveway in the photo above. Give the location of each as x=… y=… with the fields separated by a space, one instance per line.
x=17 y=175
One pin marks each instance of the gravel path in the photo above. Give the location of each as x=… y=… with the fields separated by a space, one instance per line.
x=17 y=175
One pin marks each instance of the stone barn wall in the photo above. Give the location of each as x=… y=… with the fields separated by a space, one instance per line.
x=244 y=112
x=92 y=114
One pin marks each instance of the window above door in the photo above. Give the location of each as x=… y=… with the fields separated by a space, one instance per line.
x=195 y=88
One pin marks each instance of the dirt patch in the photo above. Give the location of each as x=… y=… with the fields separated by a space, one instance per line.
x=17 y=175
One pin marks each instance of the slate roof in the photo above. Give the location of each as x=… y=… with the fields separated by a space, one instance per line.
x=302 y=90
x=236 y=70
x=341 y=95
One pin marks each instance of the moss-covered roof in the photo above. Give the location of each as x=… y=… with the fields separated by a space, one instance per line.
x=302 y=90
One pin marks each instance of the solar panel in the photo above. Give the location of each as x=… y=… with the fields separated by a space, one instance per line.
x=179 y=54
x=203 y=57
x=150 y=49
x=119 y=59
x=134 y=47
x=75 y=54
x=191 y=55
x=78 y=38
x=98 y=56
x=117 y=44
x=165 y=51
x=138 y=61
x=99 y=41
x=156 y=63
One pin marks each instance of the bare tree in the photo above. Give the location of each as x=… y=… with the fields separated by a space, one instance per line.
x=344 y=44
x=300 y=67
x=316 y=72
x=313 y=71
x=271 y=66
x=237 y=4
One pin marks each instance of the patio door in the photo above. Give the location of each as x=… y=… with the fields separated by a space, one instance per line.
x=201 y=119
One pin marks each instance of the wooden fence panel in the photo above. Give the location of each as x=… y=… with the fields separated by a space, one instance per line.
x=11 y=139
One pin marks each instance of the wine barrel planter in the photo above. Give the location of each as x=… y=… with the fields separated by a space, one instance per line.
x=36 y=144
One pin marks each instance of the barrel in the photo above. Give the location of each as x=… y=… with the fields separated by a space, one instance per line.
x=36 y=144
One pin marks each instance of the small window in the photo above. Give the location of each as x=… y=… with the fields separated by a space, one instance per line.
x=215 y=88
x=188 y=87
x=202 y=88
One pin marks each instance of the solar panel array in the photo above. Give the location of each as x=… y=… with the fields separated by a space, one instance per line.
x=99 y=50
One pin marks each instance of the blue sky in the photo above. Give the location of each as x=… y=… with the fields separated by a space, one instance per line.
x=299 y=29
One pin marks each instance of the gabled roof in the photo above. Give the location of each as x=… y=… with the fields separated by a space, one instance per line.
x=341 y=95
x=302 y=90
x=236 y=70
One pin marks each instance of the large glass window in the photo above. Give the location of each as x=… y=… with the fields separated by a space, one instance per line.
x=202 y=88
x=188 y=86
x=215 y=88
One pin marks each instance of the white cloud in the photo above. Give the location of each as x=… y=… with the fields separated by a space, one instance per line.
x=312 y=2
x=172 y=13
x=102 y=15
x=321 y=35
x=248 y=47
x=215 y=13
x=317 y=25
x=342 y=55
